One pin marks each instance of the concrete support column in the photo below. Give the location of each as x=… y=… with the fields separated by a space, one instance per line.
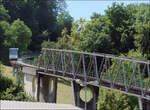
x=145 y=104
x=46 y=88
x=38 y=86
x=140 y=103
x=23 y=77
x=92 y=104
x=17 y=75
x=13 y=71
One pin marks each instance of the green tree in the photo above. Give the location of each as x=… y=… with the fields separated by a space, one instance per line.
x=121 y=31
x=4 y=16
x=95 y=15
x=115 y=100
x=64 y=20
x=142 y=26
x=96 y=36
x=38 y=15
x=17 y=34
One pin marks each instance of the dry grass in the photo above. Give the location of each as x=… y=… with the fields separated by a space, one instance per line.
x=7 y=71
x=64 y=92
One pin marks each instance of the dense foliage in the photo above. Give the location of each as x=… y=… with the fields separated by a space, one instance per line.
x=12 y=91
x=16 y=33
x=39 y=16
x=113 y=100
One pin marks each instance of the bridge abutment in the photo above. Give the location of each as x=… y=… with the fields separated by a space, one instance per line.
x=92 y=103
x=46 y=88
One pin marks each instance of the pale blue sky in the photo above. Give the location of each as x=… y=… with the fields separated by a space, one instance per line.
x=85 y=8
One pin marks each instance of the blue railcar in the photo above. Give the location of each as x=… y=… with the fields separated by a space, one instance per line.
x=13 y=53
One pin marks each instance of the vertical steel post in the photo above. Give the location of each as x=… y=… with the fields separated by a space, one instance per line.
x=134 y=78
x=141 y=82
x=85 y=106
x=83 y=61
x=148 y=71
x=120 y=73
x=107 y=76
x=96 y=69
x=85 y=79
x=73 y=68
x=62 y=62
x=44 y=57
x=53 y=60
x=64 y=58
x=125 y=77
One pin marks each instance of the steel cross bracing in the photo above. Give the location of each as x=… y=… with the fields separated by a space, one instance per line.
x=131 y=76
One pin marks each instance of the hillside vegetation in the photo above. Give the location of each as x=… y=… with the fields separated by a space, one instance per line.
x=30 y=25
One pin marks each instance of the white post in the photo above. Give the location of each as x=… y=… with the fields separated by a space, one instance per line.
x=140 y=104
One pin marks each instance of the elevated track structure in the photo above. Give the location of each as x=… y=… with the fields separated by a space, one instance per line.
x=93 y=70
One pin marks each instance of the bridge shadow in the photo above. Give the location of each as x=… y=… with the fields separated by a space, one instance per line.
x=63 y=81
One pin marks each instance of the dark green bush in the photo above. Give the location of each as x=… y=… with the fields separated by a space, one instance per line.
x=5 y=83
x=12 y=91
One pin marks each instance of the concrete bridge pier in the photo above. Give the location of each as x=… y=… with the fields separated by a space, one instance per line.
x=13 y=70
x=92 y=103
x=145 y=104
x=46 y=88
x=16 y=74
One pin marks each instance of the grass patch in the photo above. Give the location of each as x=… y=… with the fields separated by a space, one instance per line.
x=7 y=72
x=64 y=92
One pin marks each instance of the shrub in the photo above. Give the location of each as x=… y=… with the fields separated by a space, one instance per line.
x=12 y=91
x=114 y=100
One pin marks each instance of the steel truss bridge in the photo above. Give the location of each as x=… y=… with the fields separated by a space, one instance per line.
x=128 y=75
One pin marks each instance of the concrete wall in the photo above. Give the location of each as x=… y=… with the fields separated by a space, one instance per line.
x=47 y=87
x=30 y=84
